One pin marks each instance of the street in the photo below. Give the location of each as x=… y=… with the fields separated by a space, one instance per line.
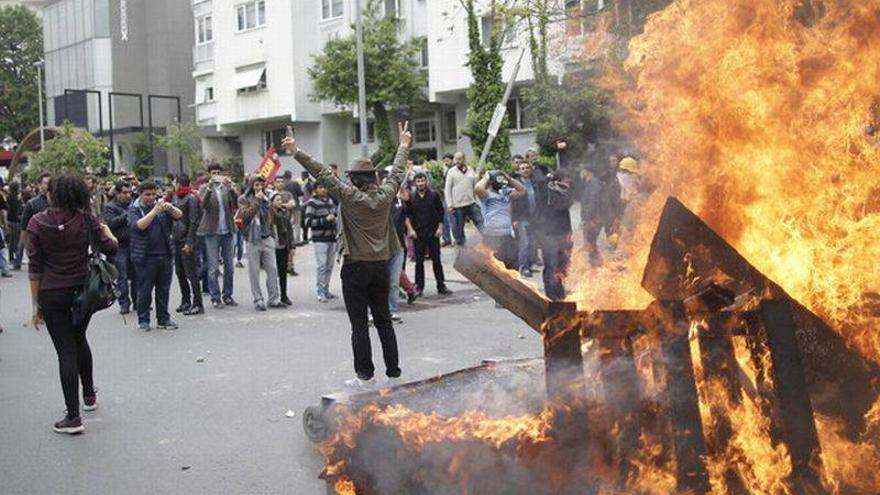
x=202 y=409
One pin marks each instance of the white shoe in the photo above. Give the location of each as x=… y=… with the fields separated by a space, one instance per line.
x=396 y=318
x=360 y=384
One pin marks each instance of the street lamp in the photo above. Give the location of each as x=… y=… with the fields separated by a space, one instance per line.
x=9 y=143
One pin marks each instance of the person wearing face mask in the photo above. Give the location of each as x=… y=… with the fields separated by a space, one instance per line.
x=258 y=229
x=368 y=241
x=460 y=199
x=496 y=190
x=150 y=221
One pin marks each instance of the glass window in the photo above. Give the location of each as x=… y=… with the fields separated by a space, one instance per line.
x=331 y=9
x=424 y=131
x=209 y=93
x=450 y=127
x=261 y=13
x=391 y=8
x=518 y=115
x=251 y=14
x=486 y=25
x=204 y=29
x=356 y=132
x=423 y=54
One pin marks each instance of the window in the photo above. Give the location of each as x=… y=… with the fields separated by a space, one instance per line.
x=392 y=8
x=518 y=117
x=424 y=131
x=204 y=30
x=356 y=132
x=487 y=23
x=273 y=138
x=450 y=128
x=209 y=94
x=331 y=9
x=250 y=79
x=423 y=53
x=250 y=15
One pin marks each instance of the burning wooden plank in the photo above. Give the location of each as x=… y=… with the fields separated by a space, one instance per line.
x=687 y=256
x=504 y=286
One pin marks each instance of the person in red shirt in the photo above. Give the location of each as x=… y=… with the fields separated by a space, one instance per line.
x=57 y=241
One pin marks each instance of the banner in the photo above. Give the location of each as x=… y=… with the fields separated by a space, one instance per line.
x=269 y=166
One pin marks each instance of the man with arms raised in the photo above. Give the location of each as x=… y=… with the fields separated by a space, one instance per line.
x=368 y=241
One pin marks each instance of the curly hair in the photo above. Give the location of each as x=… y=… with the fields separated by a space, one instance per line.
x=69 y=192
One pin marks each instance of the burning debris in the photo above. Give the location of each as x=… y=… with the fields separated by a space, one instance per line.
x=756 y=377
x=723 y=385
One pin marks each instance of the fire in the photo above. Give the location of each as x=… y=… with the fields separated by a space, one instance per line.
x=764 y=121
x=416 y=430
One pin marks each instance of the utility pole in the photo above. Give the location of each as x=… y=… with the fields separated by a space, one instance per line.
x=500 y=110
x=39 y=66
x=362 y=85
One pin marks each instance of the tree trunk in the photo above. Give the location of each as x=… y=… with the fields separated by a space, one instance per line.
x=383 y=135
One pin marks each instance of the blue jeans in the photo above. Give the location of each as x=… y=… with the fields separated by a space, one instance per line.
x=472 y=212
x=126 y=282
x=4 y=265
x=325 y=255
x=524 y=246
x=395 y=265
x=215 y=247
x=447 y=225
x=557 y=255
x=154 y=272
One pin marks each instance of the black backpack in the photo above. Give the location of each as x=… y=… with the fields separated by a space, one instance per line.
x=99 y=290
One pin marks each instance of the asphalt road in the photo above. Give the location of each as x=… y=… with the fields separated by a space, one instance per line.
x=170 y=424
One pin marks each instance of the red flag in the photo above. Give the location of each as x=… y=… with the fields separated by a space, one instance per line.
x=270 y=165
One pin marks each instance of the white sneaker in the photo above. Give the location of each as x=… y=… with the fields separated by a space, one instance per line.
x=360 y=384
x=396 y=318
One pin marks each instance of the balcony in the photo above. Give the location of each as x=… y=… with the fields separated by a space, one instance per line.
x=206 y=113
x=203 y=52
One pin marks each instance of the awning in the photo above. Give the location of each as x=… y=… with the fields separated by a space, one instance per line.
x=249 y=78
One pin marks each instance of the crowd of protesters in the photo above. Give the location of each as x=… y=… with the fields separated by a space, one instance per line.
x=372 y=220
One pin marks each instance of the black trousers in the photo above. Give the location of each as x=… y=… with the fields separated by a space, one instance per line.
x=282 y=261
x=365 y=285
x=74 y=354
x=187 y=269
x=432 y=244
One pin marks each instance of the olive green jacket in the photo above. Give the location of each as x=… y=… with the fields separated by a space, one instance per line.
x=367 y=232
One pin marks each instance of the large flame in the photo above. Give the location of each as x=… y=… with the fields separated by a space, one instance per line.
x=763 y=123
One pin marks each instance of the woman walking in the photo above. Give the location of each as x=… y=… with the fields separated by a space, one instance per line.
x=57 y=242
x=283 y=241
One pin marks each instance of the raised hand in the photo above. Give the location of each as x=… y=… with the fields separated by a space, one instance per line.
x=405 y=137
x=289 y=144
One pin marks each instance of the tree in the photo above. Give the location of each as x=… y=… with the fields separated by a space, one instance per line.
x=21 y=47
x=184 y=139
x=72 y=151
x=142 y=156
x=487 y=89
x=391 y=73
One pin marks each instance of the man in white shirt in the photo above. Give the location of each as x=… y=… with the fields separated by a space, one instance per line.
x=460 y=199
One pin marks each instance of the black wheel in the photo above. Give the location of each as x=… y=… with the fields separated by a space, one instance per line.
x=315 y=425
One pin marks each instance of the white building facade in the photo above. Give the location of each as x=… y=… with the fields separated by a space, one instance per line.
x=250 y=70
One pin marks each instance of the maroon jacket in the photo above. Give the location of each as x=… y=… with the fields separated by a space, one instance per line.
x=58 y=247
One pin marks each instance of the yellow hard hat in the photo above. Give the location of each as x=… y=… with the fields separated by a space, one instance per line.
x=630 y=165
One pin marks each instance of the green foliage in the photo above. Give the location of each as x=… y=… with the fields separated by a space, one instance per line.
x=142 y=166
x=21 y=46
x=391 y=72
x=574 y=112
x=487 y=89
x=71 y=151
x=184 y=139
x=233 y=165
x=437 y=169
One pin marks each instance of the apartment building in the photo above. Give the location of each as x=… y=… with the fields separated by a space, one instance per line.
x=95 y=47
x=250 y=71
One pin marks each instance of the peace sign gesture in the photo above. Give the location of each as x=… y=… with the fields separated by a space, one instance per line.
x=405 y=138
